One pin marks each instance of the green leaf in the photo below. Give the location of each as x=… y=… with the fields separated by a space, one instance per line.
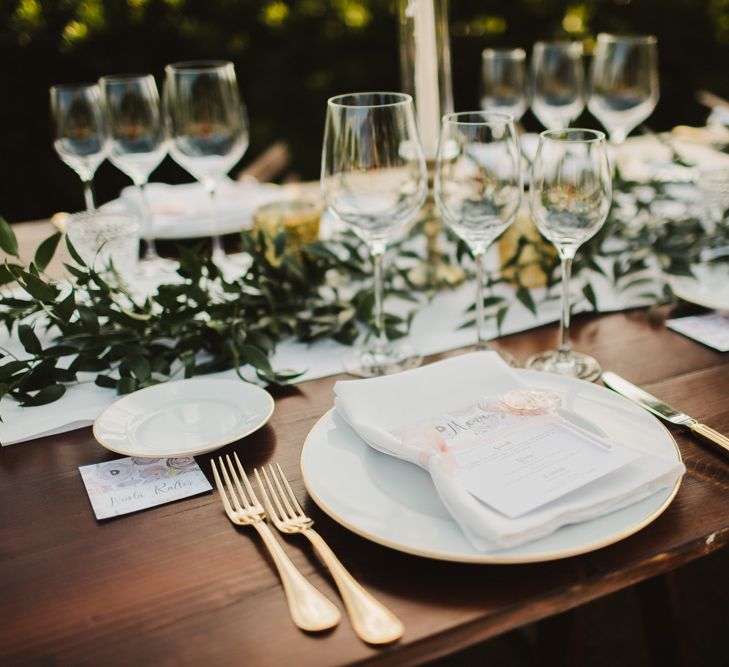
x=590 y=295
x=46 y=395
x=38 y=289
x=9 y=273
x=140 y=368
x=500 y=315
x=74 y=253
x=106 y=381
x=525 y=298
x=256 y=358
x=126 y=385
x=46 y=250
x=65 y=309
x=11 y=368
x=8 y=241
x=29 y=340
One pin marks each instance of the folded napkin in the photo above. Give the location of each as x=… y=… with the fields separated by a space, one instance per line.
x=379 y=408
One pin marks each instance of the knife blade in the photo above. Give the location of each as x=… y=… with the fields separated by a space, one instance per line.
x=665 y=411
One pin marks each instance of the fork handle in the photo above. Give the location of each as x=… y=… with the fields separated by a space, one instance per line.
x=310 y=610
x=371 y=620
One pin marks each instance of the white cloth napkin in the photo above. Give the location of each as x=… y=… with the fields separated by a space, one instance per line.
x=376 y=407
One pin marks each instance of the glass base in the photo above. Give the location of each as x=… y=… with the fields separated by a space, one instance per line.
x=382 y=360
x=569 y=364
x=232 y=266
x=157 y=267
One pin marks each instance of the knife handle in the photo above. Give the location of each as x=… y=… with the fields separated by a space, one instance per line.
x=712 y=436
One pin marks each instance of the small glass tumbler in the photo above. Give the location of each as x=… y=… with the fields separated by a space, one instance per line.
x=106 y=241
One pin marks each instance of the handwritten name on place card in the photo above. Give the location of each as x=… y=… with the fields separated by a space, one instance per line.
x=132 y=484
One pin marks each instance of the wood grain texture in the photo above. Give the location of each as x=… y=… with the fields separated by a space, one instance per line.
x=178 y=585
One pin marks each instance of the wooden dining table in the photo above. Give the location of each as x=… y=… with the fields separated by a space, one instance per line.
x=179 y=585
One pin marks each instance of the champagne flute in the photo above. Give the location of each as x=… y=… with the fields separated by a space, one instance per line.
x=208 y=128
x=79 y=131
x=557 y=83
x=503 y=81
x=478 y=187
x=137 y=145
x=569 y=198
x=623 y=83
x=373 y=177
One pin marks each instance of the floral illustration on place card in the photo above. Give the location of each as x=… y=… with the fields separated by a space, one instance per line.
x=132 y=484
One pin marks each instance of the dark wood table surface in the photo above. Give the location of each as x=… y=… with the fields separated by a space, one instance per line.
x=179 y=585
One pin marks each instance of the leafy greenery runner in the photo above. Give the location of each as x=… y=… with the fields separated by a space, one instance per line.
x=206 y=323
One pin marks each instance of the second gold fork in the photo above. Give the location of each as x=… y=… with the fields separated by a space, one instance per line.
x=371 y=620
x=310 y=610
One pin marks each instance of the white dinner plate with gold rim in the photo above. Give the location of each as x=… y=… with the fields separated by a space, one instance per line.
x=183 y=417
x=710 y=287
x=394 y=503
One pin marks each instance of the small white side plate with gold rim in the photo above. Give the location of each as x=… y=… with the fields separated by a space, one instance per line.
x=183 y=418
x=394 y=503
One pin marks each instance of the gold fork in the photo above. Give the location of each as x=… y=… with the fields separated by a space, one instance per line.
x=371 y=620
x=310 y=610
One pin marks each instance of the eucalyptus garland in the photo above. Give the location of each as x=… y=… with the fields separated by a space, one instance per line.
x=205 y=323
x=201 y=324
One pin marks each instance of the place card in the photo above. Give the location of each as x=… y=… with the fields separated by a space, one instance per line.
x=711 y=329
x=516 y=453
x=132 y=484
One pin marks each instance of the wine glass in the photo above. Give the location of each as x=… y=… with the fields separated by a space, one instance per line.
x=569 y=198
x=557 y=83
x=208 y=128
x=137 y=145
x=478 y=187
x=503 y=81
x=373 y=177
x=623 y=83
x=79 y=131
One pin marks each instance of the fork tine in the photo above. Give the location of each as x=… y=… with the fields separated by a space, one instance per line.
x=282 y=493
x=229 y=485
x=281 y=514
x=236 y=478
x=221 y=490
x=292 y=495
x=251 y=493
x=275 y=516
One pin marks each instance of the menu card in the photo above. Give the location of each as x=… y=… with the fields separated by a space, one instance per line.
x=517 y=453
x=131 y=484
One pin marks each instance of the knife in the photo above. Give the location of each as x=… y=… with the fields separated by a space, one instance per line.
x=665 y=411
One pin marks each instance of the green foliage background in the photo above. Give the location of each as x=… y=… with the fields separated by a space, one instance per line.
x=290 y=56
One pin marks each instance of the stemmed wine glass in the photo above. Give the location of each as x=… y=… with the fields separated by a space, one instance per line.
x=373 y=177
x=504 y=81
x=137 y=144
x=623 y=82
x=208 y=128
x=79 y=131
x=557 y=83
x=478 y=187
x=569 y=198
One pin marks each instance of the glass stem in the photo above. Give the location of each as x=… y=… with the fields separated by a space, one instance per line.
x=481 y=342
x=89 y=195
x=566 y=258
x=217 y=245
x=150 y=250
x=377 y=250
